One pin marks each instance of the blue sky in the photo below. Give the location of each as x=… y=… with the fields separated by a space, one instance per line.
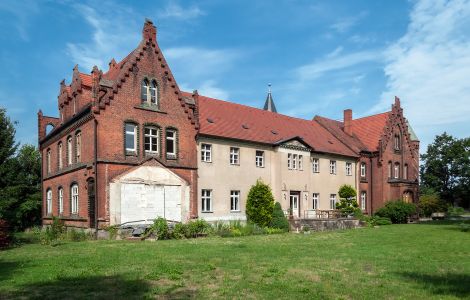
x=320 y=56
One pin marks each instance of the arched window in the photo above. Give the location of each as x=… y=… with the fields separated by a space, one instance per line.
x=69 y=151
x=61 y=200
x=154 y=93
x=396 y=173
x=49 y=201
x=78 y=146
x=48 y=161
x=397 y=142
x=74 y=199
x=405 y=171
x=59 y=155
x=144 y=90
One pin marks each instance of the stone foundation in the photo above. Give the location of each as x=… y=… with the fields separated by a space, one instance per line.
x=323 y=225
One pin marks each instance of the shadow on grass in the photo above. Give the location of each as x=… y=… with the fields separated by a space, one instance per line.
x=441 y=222
x=7 y=268
x=446 y=284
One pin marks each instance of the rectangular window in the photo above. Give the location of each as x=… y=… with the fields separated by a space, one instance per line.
x=49 y=202
x=78 y=145
x=131 y=137
x=206 y=152
x=74 y=193
x=332 y=166
x=294 y=161
x=69 y=151
x=332 y=201
x=234 y=200
x=170 y=142
x=397 y=142
x=363 y=200
x=289 y=161
x=206 y=197
x=397 y=171
x=316 y=200
x=301 y=162
x=363 y=169
x=348 y=169
x=260 y=159
x=405 y=171
x=61 y=201
x=389 y=170
x=60 y=155
x=48 y=161
x=151 y=139
x=316 y=165
x=234 y=156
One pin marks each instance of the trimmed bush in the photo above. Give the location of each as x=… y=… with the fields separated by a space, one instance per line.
x=260 y=204
x=431 y=203
x=348 y=203
x=397 y=211
x=279 y=221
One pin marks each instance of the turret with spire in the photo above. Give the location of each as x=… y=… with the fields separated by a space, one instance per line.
x=269 y=104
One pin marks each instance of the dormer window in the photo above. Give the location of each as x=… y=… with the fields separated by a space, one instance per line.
x=149 y=92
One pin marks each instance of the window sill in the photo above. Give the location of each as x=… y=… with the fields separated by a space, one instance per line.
x=206 y=161
x=171 y=157
x=148 y=107
x=131 y=153
x=262 y=167
x=207 y=212
x=152 y=154
x=236 y=165
x=235 y=211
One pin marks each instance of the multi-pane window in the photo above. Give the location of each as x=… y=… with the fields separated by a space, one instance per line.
x=69 y=151
x=332 y=201
x=131 y=137
x=405 y=171
x=78 y=146
x=49 y=202
x=151 y=140
x=348 y=169
x=316 y=165
x=316 y=200
x=74 y=199
x=170 y=142
x=363 y=200
x=259 y=159
x=149 y=92
x=332 y=166
x=294 y=161
x=59 y=155
x=48 y=161
x=301 y=162
x=234 y=156
x=144 y=90
x=289 y=161
x=363 y=169
x=61 y=201
x=153 y=93
x=206 y=197
x=234 y=200
x=206 y=152
x=397 y=142
x=396 y=173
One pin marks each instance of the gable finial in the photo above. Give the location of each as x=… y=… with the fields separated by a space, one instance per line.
x=269 y=104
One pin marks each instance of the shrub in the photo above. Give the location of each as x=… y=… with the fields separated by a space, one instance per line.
x=260 y=204
x=198 y=227
x=348 y=204
x=159 y=229
x=455 y=211
x=397 y=211
x=279 y=221
x=465 y=227
x=375 y=221
x=180 y=231
x=431 y=203
x=75 y=235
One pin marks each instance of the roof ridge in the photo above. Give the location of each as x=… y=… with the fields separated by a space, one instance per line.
x=374 y=115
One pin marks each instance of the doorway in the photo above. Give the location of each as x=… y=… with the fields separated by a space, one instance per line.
x=294 y=199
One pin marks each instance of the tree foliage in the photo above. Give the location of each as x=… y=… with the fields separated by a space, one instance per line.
x=397 y=211
x=279 y=220
x=446 y=169
x=430 y=203
x=20 y=177
x=260 y=204
x=347 y=204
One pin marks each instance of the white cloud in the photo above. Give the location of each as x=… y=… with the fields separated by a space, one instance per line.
x=344 y=24
x=209 y=89
x=429 y=68
x=174 y=10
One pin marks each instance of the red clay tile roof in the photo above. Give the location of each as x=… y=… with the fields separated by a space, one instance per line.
x=86 y=79
x=236 y=121
x=336 y=128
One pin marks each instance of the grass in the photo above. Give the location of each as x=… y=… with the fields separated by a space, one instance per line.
x=419 y=261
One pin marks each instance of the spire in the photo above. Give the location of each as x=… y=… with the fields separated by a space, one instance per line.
x=269 y=104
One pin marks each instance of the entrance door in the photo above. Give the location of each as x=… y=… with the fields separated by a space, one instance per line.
x=408 y=197
x=294 y=204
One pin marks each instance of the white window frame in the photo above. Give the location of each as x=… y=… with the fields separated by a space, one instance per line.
x=259 y=158
x=74 y=199
x=234 y=156
x=206 y=152
x=301 y=162
x=78 y=146
x=171 y=139
x=316 y=165
x=49 y=202
x=206 y=200
x=48 y=161
x=152 y=137
x=396 y=171
x=69 y=151
x=294 y=161
x=332 y=201
x=333 y=167
x=363 y=200
x=363 y=169
x=348 y=169
x=61 y=200
x=234 y=201
x=61 y=163
x=289 y=161
x=153 y=99
x=132 y=133
x=315 y=200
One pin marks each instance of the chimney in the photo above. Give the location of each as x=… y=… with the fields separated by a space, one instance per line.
x=150 y=31
x=348 y=121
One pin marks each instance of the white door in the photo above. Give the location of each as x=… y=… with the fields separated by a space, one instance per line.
x=294 y=204
x=140 y=202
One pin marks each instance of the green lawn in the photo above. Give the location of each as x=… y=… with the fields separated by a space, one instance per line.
x=391 y=262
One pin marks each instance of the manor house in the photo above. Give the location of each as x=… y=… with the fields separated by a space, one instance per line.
x=128 y=146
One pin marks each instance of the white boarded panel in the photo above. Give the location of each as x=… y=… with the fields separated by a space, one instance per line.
x=173 y=203
x=131 y=202
x=154 y=202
